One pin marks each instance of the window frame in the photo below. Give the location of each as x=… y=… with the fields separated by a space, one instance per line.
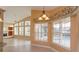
x=27 y=26
x=61 y=22
x=37 y=33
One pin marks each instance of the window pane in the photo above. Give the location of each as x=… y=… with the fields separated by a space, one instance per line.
x=16 y=24
x=27 y=31
x=66 y=34
x=56 y=30
x=41 y=31
x=56 y=27
x=21 y=30
x=27 y=28
x=22 y=23
x=66 y=40
x=16 y=30
x=27 y=22
x=56 y=38
x=61 y=30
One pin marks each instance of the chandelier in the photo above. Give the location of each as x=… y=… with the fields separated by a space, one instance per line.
x=43 y=17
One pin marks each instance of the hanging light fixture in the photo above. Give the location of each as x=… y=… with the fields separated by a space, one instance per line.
x=43 y=17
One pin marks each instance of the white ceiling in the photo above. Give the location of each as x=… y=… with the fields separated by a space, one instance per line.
x=15 y=13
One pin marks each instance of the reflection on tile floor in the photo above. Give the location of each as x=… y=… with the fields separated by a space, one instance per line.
x=21 y=45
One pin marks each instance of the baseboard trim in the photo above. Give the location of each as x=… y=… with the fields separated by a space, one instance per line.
x=46 y=47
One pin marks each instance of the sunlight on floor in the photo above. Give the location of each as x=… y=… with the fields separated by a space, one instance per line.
x=22 y=45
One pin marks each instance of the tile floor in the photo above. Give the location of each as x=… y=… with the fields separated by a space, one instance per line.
x=21 y=45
